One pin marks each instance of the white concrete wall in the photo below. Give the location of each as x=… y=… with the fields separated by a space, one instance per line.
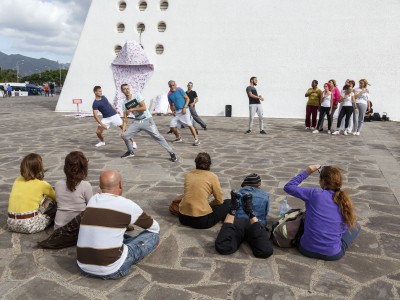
x=220 y=44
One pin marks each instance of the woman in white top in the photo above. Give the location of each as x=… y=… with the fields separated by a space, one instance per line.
x=348 y=102
x=325 y=109
x=361 y=94
x=74 y=192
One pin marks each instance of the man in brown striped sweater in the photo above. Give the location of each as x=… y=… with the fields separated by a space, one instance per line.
x=103 y=248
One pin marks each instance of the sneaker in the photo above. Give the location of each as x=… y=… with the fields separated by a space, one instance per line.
x=205 y=128
x=307 y=128
x=248 y=131
x=329 y=132
x=345 y=132
x=312 y=128
x=99 y=144
x=263 y=132
x=134 y=145
x=337 y=132
x=177 y=140
x=173 y=157
x=170 y=131
x=234 y=206
x=247 y=200
x=127 y=154
x=316 y=131
x=357 y=133
x=196 y=143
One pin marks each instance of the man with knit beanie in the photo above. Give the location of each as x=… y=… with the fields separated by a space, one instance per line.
x=246 y=220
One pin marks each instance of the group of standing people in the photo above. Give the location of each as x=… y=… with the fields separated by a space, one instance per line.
x=7 y=89
x=351 y=102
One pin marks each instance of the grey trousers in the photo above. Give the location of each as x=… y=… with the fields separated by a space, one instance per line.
x=253 y=109
x=150 y=128
x=196 y=117
x=362 y=108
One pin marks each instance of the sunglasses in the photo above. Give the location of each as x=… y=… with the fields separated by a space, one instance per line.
x=320 y=169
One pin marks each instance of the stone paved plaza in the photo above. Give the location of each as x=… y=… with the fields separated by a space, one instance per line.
x=186 y=265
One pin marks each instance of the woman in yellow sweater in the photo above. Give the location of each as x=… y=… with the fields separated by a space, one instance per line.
x=26 y=196
x=195 y=210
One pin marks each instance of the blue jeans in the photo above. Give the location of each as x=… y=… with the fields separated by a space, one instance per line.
x=347 y=238
x=138 y=248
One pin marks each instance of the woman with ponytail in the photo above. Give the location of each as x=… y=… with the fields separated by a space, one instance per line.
x=330 y=224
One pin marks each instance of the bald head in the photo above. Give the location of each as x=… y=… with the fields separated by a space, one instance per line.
x=110 y=182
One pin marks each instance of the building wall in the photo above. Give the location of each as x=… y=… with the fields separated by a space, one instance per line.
x=220 y=44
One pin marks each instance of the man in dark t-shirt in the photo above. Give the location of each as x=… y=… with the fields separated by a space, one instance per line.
x=255 y=105
x=193 y=99
x=109 y=113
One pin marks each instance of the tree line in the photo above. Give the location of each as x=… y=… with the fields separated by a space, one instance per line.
x=36 y=78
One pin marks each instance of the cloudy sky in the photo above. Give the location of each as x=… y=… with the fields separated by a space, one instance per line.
x=42 y=28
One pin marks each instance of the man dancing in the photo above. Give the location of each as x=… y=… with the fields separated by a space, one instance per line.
x=255 y=105
x=143 y=121
x=110 y=115
x=193 y=99
x=178 y=102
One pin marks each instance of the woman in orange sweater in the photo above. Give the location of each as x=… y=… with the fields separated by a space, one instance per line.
x=195 y=210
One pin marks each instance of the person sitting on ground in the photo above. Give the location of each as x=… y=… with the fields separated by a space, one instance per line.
x=104 y=250
x=330 y=224
x=72 y=196
x=246 y=220
x=74 y=192
x=25 y=212
x=195 y=210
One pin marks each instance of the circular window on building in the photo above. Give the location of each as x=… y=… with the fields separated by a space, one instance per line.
x=162 y=26
x=122 y=5
x=140 y=27
x=159 y=49
x=164 y=5
x=120 y=27
x=117 y=49
x=142 y=5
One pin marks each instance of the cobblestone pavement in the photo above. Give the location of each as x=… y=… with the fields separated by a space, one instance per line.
x=186 y=266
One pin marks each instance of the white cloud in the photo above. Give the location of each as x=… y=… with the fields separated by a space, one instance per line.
x=49 y=28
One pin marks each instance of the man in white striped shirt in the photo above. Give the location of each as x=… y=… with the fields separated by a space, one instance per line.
x=103 y=248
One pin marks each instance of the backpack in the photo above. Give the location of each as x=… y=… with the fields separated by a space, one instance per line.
x=288 y=230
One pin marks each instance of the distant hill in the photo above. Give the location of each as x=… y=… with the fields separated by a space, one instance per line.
x=29 y=65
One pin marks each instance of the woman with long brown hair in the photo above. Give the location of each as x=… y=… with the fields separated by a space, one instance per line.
x=330 y=224
x=74 y=192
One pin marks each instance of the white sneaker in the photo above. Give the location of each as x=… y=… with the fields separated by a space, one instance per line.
x=316 y=131
x=134 y=145
x=307 y=128
x=99 y=144
x=312 y=128
x=357 y=133
x=337 y=132
x=329 y=132
x=196 y=143
x=345 y=132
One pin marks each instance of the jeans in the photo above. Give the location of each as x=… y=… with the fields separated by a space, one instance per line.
x=253 y=109
x=218 y=214
x=347 y=238
x=232 y=235
x=150 y=128
x=139 y=247
x=322 y=112
x=311 y=112
x=362 y=108
x=196 y=117
x=345 y=111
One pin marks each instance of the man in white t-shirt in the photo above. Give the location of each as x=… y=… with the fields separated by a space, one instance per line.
x=104 y=250
x=143 y=121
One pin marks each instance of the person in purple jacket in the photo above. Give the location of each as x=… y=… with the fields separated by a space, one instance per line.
x=330 y=224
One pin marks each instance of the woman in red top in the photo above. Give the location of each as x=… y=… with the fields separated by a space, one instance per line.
x=335 y=97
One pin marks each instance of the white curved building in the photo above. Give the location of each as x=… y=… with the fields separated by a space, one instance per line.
x=220 y=44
